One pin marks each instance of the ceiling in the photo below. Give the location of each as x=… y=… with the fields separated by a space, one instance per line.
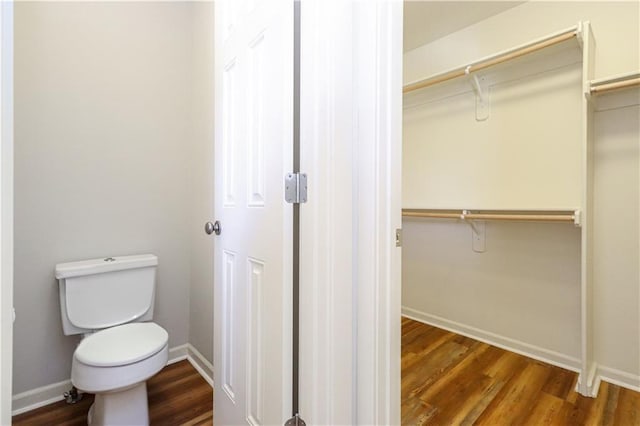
x=426 y=21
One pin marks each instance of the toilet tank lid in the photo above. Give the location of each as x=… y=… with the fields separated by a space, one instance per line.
x=98 y=266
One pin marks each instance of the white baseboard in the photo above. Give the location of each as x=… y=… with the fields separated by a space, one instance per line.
x=45 y=395
x=39 y=397
x=178 y=353
x=532 y=351
x=201 y=364
x=620 y=378
x=588 y=383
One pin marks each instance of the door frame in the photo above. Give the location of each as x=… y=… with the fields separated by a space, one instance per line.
x=6 y=210
x=351 y=126
x=378 y=164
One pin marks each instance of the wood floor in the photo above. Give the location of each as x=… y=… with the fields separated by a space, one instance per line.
x=449 y=379
x=178 y=395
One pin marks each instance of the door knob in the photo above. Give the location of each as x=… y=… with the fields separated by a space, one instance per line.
x=210 y=228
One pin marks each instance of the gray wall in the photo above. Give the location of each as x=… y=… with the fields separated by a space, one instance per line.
x=108 y=161
x=201 y=306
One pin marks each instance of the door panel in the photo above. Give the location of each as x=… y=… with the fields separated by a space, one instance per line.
x=253 y=253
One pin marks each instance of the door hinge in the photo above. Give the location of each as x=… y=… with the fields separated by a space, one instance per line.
x=295 y=188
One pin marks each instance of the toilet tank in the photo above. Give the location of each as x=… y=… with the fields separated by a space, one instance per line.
x=102 y=293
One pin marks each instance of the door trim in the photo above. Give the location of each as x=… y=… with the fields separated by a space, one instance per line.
x=6 y=210
x=326 y=219
x=350 y=267
x=378 y=79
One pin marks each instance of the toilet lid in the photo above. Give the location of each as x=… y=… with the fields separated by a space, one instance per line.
x=122 y=345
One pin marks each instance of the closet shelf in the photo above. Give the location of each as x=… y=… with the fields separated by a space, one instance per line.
x=558 y=216
x=522 y=50
x=624 y=81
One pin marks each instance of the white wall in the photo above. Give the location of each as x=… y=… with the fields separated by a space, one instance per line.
x=525 y=288
x=509 y=161
x=524 y=291
x=201 y=298
x=615 y=26
x=106 y=141
x=616 y=269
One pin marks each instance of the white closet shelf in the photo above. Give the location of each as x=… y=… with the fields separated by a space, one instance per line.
x=574 y=32
x=558 y=216
x=609 y=84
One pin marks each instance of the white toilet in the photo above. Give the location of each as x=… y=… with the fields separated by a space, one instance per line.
x=110 y=301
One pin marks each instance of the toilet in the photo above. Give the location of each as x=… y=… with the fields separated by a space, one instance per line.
x=110 y=302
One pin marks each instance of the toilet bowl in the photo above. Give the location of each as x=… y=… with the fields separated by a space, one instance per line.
x=110 y=302
x=114 y=364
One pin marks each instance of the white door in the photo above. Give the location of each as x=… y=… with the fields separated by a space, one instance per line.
x=253 y=253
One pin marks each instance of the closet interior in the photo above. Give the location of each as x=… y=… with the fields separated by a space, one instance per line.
x=521 y=183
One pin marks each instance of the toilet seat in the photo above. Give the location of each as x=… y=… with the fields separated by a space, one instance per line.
x=122 y=345
x=119 y=357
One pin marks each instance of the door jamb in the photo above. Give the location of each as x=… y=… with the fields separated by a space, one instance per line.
x=6 y=210
x=378 y=76
x=350 y=266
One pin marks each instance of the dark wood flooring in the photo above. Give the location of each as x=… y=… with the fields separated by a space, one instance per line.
x=449 y=379
x=178 y=395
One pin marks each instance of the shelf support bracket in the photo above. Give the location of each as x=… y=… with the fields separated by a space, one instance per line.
x=482 y=95
x=580 y=34
x=577 y=219
x=478 y=237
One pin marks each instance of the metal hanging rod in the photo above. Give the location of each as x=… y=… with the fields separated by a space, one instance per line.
x=563 y=216
x=615 y=83
x=496 y=59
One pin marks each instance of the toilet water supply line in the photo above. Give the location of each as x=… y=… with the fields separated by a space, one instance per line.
x=73 y=395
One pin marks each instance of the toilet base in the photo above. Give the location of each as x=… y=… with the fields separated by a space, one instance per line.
x=125 y=407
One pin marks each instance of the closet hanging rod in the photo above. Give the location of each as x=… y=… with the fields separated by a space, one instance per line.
x=564 y=216
x=496 y=59
x=609 y=85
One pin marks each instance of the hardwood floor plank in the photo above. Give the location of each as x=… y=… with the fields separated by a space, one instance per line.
x=487 y=396
x=547 y=410
x=579 y=409
x=422 y=374
x=560 y=383
x=628 y=409
x=480 y=356
x=423 y=340
x=417 y=412
x=461 y=397
x=423 y=351
x=611 y=403
x=515 y=400
x=506 y=365
x=201 y=420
